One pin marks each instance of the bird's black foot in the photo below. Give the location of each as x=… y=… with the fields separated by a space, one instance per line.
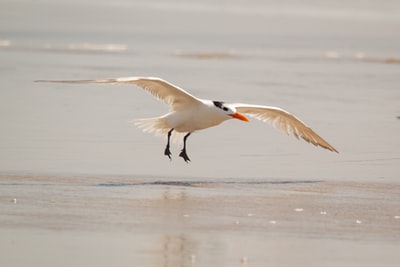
x=167 y=152
x=184 y=156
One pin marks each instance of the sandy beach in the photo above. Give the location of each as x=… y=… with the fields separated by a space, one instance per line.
x=81 y=186
x=125 y=221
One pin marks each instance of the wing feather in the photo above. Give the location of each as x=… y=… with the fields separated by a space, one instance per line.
x=284 y=121
x=170 y=94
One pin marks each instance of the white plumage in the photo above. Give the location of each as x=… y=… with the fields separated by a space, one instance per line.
x=189 y=113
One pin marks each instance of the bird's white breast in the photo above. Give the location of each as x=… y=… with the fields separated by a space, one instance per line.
x=195 y=118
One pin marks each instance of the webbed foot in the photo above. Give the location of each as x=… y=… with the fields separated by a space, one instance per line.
x=184 y=156
x=167 y=152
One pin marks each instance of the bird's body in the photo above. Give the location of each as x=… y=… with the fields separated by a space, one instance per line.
x=185 y=121
x=189 y=113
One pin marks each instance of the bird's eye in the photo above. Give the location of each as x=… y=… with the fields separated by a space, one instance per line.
x=225 y=108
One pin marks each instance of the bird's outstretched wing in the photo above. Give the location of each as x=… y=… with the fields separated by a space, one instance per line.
x=172 y=95
x=285 y=122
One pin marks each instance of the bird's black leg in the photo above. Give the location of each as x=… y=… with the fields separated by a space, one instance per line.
x=167 y=152
x=183 y=152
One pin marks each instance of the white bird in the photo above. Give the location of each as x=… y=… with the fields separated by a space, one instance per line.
x=189 y=113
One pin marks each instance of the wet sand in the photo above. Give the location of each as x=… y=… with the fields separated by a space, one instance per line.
x=80 y=186
x=128 y=221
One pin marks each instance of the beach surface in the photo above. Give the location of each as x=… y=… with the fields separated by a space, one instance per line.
x=233 y=222
x=81 y=186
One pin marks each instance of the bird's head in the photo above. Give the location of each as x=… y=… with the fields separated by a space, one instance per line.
x=229 y=111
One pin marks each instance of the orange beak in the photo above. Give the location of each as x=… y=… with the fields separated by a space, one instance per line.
x=239 y=116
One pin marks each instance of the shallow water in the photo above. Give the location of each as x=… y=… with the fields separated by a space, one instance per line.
x=88 y=183
x=153 y=222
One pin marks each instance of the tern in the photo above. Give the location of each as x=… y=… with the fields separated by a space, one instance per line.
x=189 y=113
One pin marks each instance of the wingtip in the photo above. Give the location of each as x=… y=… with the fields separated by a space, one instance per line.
x=331 y=148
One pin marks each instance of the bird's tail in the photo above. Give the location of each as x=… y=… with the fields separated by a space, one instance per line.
x=158 y=126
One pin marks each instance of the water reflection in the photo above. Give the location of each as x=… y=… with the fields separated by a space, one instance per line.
x=178 y=248
x=174 y=195
x=178 y=251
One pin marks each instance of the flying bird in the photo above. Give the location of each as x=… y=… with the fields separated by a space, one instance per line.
x=189 y=113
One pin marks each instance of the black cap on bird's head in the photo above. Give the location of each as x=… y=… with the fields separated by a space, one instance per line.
x=230 y=111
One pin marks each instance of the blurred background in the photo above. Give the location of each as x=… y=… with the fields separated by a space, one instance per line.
x=333 y=64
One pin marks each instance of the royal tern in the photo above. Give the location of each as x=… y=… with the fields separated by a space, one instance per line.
x=189 y=113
